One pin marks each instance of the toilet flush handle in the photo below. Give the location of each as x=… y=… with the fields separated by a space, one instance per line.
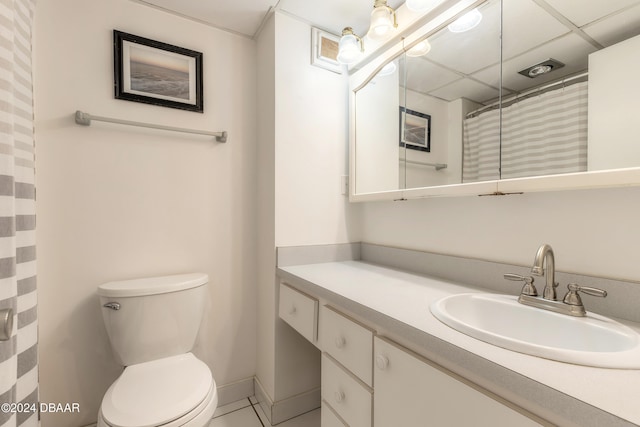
x=112 y=305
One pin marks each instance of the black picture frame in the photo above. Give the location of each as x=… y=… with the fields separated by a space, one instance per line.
x=415 y=130
x=157 y=73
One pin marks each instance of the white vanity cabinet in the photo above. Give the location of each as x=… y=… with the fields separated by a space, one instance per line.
x=369 y=381
x=347 y=374
x=410 y=392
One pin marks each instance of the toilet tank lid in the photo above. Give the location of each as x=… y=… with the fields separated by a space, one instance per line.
x=152 y=285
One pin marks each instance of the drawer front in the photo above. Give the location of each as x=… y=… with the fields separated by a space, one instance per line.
x=300 y=311
x=346 y=395
x=348 y=342
x=328 y=417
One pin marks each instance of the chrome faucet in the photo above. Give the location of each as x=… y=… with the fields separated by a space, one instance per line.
x=545 y=255
x=571 y=303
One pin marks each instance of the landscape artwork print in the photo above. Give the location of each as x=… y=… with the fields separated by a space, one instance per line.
x=157 y=73
x=415 y=130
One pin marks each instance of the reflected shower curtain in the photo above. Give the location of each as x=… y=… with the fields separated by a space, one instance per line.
x=545 y=134
x=18 y=355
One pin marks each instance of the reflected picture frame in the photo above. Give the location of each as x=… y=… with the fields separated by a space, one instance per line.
x=415 y=130
x=157 y=73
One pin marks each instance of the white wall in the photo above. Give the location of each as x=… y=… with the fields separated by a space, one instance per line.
x=117 y=202
x=303 y=149
x=266 y=280
x=311 y=144
x=593 y=232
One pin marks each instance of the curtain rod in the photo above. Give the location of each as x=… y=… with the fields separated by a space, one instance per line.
x=510 y=99
x=84 y=119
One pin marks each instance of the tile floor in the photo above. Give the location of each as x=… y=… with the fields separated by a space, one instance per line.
x=248 y=413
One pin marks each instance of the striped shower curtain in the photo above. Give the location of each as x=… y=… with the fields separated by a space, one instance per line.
x=545 y=134
x=18 y=355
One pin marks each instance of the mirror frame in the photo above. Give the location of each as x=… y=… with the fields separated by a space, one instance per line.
x=363 y=72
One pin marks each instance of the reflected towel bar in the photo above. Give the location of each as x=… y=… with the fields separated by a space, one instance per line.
x=84 y=119
x=438 y=166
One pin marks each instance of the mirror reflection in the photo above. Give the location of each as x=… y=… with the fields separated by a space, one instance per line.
x=567 y=75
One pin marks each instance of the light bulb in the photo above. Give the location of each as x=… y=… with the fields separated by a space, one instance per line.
x=381 y=23
x=349 y=48
x=466 y=22
x=419 y=49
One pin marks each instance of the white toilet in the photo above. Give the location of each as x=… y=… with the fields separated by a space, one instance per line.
x=152 y=324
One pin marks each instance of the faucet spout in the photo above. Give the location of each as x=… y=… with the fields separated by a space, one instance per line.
x=545 y=256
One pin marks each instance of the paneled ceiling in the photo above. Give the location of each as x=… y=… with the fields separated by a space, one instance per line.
x=534 y=30
x=468 y=64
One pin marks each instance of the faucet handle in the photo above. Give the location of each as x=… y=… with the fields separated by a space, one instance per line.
x=572 y=297
x=528 y=288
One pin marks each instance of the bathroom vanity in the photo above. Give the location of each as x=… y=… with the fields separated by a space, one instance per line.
x=386 y=360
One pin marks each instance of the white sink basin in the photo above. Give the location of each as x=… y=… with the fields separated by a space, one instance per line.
x=500 y=320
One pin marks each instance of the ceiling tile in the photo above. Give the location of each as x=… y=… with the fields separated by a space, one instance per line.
x=472 y=50
x=571 y=50
x=582 y=12
x=424 y=76
x=527 y=25
x=466 y=88
x=616 y=28
x=490 y=75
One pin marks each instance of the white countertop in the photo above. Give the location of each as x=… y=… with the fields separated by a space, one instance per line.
x=406 y=297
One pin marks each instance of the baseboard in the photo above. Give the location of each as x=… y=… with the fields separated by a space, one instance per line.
x=285 y=409
x=235 y=391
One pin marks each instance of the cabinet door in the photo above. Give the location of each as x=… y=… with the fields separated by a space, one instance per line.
x=409 y=392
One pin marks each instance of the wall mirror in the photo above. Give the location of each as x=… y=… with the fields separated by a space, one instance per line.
x=553 y=98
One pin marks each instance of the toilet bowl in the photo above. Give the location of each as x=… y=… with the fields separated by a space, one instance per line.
x=170 y=392
x=152 y=325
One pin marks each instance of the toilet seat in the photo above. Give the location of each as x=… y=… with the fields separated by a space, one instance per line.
x=167 y=391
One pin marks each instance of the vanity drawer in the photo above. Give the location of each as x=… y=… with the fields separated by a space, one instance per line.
x=350 y=398
x=348 y=342
x=328 y=417
x=300 y=311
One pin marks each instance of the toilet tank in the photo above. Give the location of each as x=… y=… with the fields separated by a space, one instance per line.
x=152 y=318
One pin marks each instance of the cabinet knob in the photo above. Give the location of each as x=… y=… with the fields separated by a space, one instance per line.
x=293 y=310
x=340 y=342
x=339 y=396
x=382 y=362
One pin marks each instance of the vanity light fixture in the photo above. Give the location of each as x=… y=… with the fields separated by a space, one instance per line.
x=420 y=5
x=350 y=47
x=419 y=49
x=541 y=68
x=466 y=22
x=383 y=20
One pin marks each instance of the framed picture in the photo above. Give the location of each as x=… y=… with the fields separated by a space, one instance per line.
x=157 y=73
x=415 y=130
x=324 y=50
